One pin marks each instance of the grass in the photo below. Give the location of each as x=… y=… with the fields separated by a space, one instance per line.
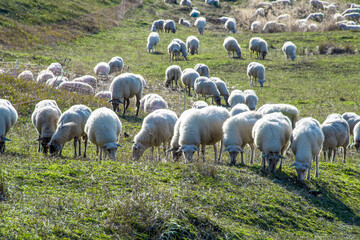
x=76 y=198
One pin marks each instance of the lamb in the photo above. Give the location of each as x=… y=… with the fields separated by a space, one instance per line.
x=306 y=143
x=157 y=129
x=78 y=87
x=231 y=45
x=255 y=26
x=126 y=86
x=188 y=78
x=271 y=136
x=202 y=69
x=173 y=73
x=288 y=110
x=237 y=133
x=193 y=44
x=202 y=127
x=116 y=64
x=152 y=102
x=236 y=97
x=169 y=26
x=356 y=133
x=26 y=75
x=318 y=17
x=55 y=68
x=44 y=75
x=273 y=26
x=206 y=87
x=239 y=108
x=289 y=49
x=213 y=2
x=199 y=105
x=337 y=134
x=91 y=80
x=194 y=13
x=255 y=71
x=174 y=50
x=230 y=25
x=102 y=69
x=352 y=119
x=56 y=81
x=185 y=3
x=106 y=95
x=8 y=117
x=44 y=119
x=259 y=46
x=152 y=40
x=200 y=23
x=221 y=86
x=70 y=126
x=184 y=22
x=251 y=99
x=183 y=48
x=158 y=25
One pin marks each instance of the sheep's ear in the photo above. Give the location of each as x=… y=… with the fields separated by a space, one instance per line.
x=265 y=155
x=308 y=165
x=118 y=145
x=281 y=156
x=39 y=139
x=226 y=149
x=111 y=100
x=180 y=149
x=169 y=150
x=293 y=165
x=133 y=141
x=6 y=139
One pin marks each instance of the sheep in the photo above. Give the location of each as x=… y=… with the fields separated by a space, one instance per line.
x=202 y=69
x=239 y=108
x=70 y=126
x=169 y=26
x=271 y=136
x=224 y=19
x=273 y=26
x=56 y=81
x=183 y=48
x=255 y=26
x=265 y=5
x=352 y=17
x=173 y=73
x=317 y=5
x=237 y=133
x=78 y=87
x=221 y=86
x=157 y=129
x=281 y=3
x=185 y=3
x=192 y=44
x=44 y=75
x=188 y=78
x=2 y=71
x=356 y=133
x=351 y=10
x=126 y=86
x=306 y=144
x=331 y=8
x=259 y=12
x=352 y=119
x=230 y=25
x=205 y=87
x=45 y=118
x=102 y=69
x=184 y=22
x=259 y=46
x=174 y=51
x=213 y=2
x=106 y=95
x=116 y=64
x=200 y=23
x=347 y=27
x=151 y=102
x=202 y=127
x=194 y=13
x=152 y=40
x=8 y=117
x=236 y=97
x=286 y=109
x=251 y=99
x=158 y=25
x=338 y=17
x=255 y=71
x=353 y=5
x=55 y=68
x=91 y=80
x=26 y=75
x=231 y=45
x=337 y=134
x=289 y=49
x=199 y=105
x=283 y=18
x=317 y=17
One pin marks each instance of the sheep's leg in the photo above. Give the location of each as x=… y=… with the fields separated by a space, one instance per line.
x=233 y=54
x=324 y=156
x=97 y=151
x=86 y=141
x=75 y=143
x=79 y=141
x=203 y=151
x=334 y=154
x=137 y=105
x=152 y=154
x=39 y=148
x=127 y=103
x=242 y=158
x=263 y=162
x=166 y=153
x=159 y=153
x=221 y=150
x=280 y=167
x=317 y=166
x=252 y=153
x=344 y=154
x=215 y=152
x=309 y=173
x=189 y=91
x=101 y=152
x=124 y=102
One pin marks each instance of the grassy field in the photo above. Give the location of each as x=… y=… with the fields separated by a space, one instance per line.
x=75 y=198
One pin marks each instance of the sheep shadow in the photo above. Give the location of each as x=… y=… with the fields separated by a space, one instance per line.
x=132 y=119
x=158 y=53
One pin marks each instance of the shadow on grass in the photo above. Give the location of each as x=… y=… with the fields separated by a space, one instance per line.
x=132 y=118
x=158 y=53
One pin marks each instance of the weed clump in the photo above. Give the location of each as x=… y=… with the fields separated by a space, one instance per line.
x=332 y=48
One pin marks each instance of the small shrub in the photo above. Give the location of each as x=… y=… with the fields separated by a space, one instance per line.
x=331 y=48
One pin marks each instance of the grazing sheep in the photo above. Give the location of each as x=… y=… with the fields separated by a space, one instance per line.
x=213 y=2
x=183 y=48
x=288 y=110
x=8 y=117
x=103 y=129
x=271 y=135
x=202 y=127
x=173 y=73
x=317 y=5
x=221 y=86
x=55 y=68
x=255 y=26
x=281 y=3
x=185 y=3
x=192 y=44
x=251 y=99
x=238 y=133
x=157 y=129
x=202 y=69
x=126 y=86
x=184 y=22
x=91 y=80
x=352 y=16
x=188 y=78
x=206 y=87
x=199 y=105
x=352 y=119
x=224 y=19
x=106 y=95
x=273 y=27
x=356 y=133
x=70 y=126
x=194 y=13
x=306 y=143
x=169 y=26
x=230 y=25
x=44 y=119
x=256 y=71
x=239 y=108
x=289 y=49
x=78 y=87
x=116 y=64
x=317 y=17
x=200 y=23
x=56 y=81
x=152 y=102
x=259 y=46
x=102 y=69
x=337 y=134
x=152 y=40
x=174 y=51
x=231 y=45
x=26 y=75
x=353 y=5
x=236 y=97
x=44 y=75
x=331 y=8
x=158 y=25
x=259 y=12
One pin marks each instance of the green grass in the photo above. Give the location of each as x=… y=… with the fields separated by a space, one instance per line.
x=75 y=198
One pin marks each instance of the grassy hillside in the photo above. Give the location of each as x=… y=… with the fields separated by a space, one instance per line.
x=76 y=198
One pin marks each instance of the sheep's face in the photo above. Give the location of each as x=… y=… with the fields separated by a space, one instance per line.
x=110 y=150
x=176 y=154
x=45 y=144
x=301 y=168
x=54 y=148
x=188 y=151
x=293 y=57
x=273 y=159
x=217 y=100
x=138 y=150
x=357 y=145
x=238 y=53
x=226 y=100
x=263 y=54
x=261 y=81
x=233 y=152
x=115 y=103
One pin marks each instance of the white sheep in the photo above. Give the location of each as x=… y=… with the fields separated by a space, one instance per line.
x=184 y=22
x=102 y=69
x=255 y=26
x=194 y=13
x=283 y=18
x=273 y=27
x=237 y=133
x=352 y=119
x=91 y=80
x=337 y=134
x=126 y=86
x=56 y=81
x=317 y=5
x=239 y=108
x=106 y=95
x=231 y=45
x=281 y=3
x=174 y=51
x=206 y=87
x=251 y=99
x=353 y=5
x=259 y=46
x=188 y=78
x=70 y=126
x=347 y=27
x=26 y=75
x=352 y=16
x=157 y=129
x=221 y=86
x=152 y=102
x=202 y=69
x=172 y=73
x=8 y=117
x=185 y=3
x=199 y=105
x=351 y=10
x=338 y=17
x=271 y=136
x=183 y=48
x=152 y=40
x=202 y=127
x=264 y=5
x=230 y=25
x=215 y=3
x=44 y=75
x=289 y=50
x=356 y=133
x=169 y=26
x=116 y=64
x=55 y=68
x=45 y=118
x=236 y=97
x=306 y=143
x=256 y=71
x=286 y=109
x=192 y=44
x=259 y=12
x=158 y=25
x=78 y=87
x=200 y=23
x=318 y=17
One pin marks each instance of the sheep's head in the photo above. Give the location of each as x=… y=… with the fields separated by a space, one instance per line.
x=176 y=153
x=188 y=151
x=115 y=103
x=138 y=150
x=301 y=168
x=44 y=141
x=3 y=139
x=357 y=145
x=261 y=81
x=54 y=147
x=263 y=54
x=218 y=100
x=110 y=149
x=293 y=57
x=238 y=53
x=233 y=151
x=273 y=158
x=226 y=98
